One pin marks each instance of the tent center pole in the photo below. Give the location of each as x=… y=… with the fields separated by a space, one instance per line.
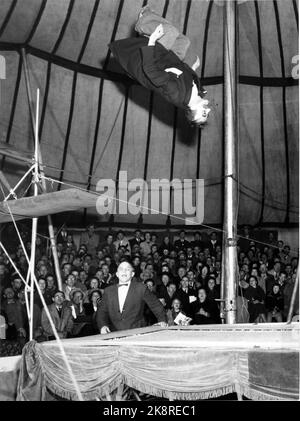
x=229 y=258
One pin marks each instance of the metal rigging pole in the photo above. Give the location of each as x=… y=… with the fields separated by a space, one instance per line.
x=230 y=270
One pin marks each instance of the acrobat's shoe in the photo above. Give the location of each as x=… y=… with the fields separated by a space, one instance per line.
x=144 y=9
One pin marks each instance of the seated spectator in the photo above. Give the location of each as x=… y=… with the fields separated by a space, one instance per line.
x=12 y=311
x=61 y=237
x=66 y=270
x=145 y=246
x=175 y=315
x=294 y=263
x=4 y=275
x=77 y=263
x=37 y=312
x=163 y=283
x=282 y=280
x=154 y=238
x=90 y=239
x=148 y=314
x=263 y=277
x=213 y=243
x=181 y=272
x=185 y=295
x=16 y=285
x=193 y=285
x=51 y=285
x=136 y=240
x=181 y=243
x=274 y=304
x=167 y=297
x=203 y=276
x=93 y=283
x=107 y=276
x=284 y=255
x=135 y=250
x=61 y=316
x=108 y=245
x=69 y=245
x=82 y=323
x=136 y=262
x=204 y=310
x=47 y=295
x=198 y=242
x=256 y=301
x=122 y=241
x=275 y=273
x=69 y=286
x=91 y=307
x=166 y=245
x=212 y=290
x=82 y=251
x=244 y=238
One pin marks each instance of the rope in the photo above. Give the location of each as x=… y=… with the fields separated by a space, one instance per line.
x=13 y=265
x=46 y=310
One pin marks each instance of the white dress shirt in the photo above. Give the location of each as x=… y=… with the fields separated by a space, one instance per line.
x=122 y=294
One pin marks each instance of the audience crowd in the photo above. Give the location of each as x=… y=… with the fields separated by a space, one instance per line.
x=184 y=274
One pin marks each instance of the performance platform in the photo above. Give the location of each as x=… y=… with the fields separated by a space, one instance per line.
x=260 y=362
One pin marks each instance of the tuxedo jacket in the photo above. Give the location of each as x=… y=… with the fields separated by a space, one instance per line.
x=147 y=65
x=132 y=316
x=63 y=324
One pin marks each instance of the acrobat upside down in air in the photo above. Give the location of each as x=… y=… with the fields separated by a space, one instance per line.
x=162 y=60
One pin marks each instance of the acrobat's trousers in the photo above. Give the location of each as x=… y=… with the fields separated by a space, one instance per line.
x=172 y=39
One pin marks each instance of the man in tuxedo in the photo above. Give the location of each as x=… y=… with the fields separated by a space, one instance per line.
x=122 y=305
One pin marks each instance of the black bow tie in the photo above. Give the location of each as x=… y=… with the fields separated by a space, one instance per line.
x=123 y=285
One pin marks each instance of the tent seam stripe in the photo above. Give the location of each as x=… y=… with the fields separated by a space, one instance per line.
x=14 y=103
x=45 y=100
x=278 y=27
x=262 y=137
x=7 y=17
x=165 y=10
x=113 y=35
x=64 y=27
x=205 y=38
x=122 y=142
x=89 y=29
x=186 y=18
x=36 y=22
x=99 y=109
x=296 y=13
x=67 y=137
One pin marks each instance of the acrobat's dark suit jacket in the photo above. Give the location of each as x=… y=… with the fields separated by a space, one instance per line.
x=147 y=65
x=132 y=316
